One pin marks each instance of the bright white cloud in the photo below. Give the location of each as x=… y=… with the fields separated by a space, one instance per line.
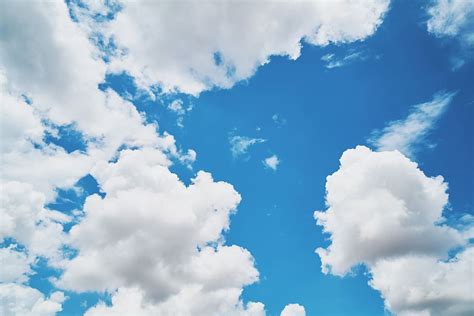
x=15 y=265
x=293 y=310
x=271 y=162
x=191 y=301
x=452 y=18
x=239 y=145
x=407 y=135
x=22 y=300
x=203 y=45
x=150 y=219
x=177 y=106
x=25 y=219
x=384 y=212
x=424 y=285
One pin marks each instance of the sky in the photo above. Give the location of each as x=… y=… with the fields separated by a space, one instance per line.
x=237 y=158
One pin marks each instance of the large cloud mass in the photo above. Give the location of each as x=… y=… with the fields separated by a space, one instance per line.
x=193 y=46
x=384 y=212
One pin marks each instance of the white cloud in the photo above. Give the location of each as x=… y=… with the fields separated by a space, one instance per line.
x=216 y=44
x=150 y=219
x=384 y=212
x=423 y=285
x=271 y=162
x=239 y=145
x=293 y=310
x=15 y=265
x=452 y=18
x=22 y=300
x=332 y=61
x=25 y=219
x=191 y=301
x=48 y=57
x=177 y=106
x=407 y=135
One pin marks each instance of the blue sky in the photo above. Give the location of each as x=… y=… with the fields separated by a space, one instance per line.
x=307 y=112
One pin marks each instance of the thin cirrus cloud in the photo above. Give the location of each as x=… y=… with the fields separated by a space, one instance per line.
x=332 y=61
x=409 y=134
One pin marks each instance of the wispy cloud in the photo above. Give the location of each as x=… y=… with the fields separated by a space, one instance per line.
x=271 y=162
x=453 y=19
x=278 y=120
x=333 y=61
x=406 y=135
x=177 y=106
x=239 y=145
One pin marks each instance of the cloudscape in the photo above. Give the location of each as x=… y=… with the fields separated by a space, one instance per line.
x=236 y=157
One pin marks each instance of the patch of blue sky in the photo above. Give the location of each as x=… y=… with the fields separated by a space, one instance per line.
x=65 y=136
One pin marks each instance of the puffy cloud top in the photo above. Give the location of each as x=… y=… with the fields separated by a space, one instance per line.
x=384 y=212
x=202 y=45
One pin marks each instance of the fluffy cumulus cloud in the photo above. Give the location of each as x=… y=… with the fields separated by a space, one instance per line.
x=408 y=134
x=161 y=240
x=384 y=212
x=424 y=285
x=22 y=300
x=172 y=232
x=293 y=310
x=216 y=44
x=452 y=18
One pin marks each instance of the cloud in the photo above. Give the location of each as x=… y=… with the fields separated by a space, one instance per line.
x=332 y=61
x=22 y=300
x=271 y=162
x=452 y=18
x=189 y=302
x=384 y=212
x=407 y=135
x=239 y=145
x=293 y=310
x=15 y=265
x=150 y=219
x=177 y=107
x=424 y=285
x=216 y=44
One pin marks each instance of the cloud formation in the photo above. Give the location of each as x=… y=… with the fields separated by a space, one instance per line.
x=452 y=18
x=23 y=300
x=293 y=310
x=408 y=134
x=271 y=162
x=239 y=145
x=332 y=61
x=384 y=212
x=216 y=44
